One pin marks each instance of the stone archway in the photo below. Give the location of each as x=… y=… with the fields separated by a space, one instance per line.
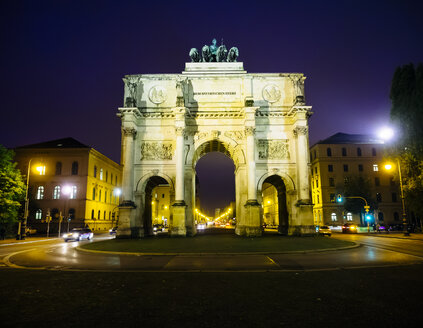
x=259 y=120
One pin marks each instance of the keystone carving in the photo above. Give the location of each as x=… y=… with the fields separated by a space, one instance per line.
x=273 y=149
x=156 y=150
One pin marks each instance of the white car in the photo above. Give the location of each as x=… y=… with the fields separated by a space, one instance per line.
x=78 y=234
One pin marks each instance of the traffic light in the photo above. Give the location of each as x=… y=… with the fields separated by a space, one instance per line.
x=339 y=199
x=369 y=217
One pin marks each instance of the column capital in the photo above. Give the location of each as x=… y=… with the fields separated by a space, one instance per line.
x=250 y=131
x=180 y=131
x=300 y=130
x=128 y=132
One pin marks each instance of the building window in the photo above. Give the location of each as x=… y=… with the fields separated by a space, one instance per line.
x=396 y=216
x=360 y=167
x=358 y=151
x=373 y=151
x=73 y=192
x=93 y=193
x=92 y=214
x=115 y=180
x=58 y=168
x=329 y=152
x=379 y=197
x=56 y=192
x=331 y=182
x=75 y=168
x=99 y=195
x=330 y=168
x=98 y=215
x=345 y=167
x=349 y=216
x=107 y=176
x=394 y=197
x=375 y=167
x=95 y=171
x=332 y=198
x=105 y=196
x=377 y=182
x=317 y=183
x=101 y=174
x=40 y=192
x=111 y=178
x=380 y=216
x=104 y=215
x=333 y=216
x=38 y=214
x=110 y=215
x=162 y=195
x=318 y=199
x=41 y=170
x=344 y=151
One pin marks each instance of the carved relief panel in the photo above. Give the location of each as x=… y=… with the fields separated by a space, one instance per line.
x=273 y=149
x=156 y=151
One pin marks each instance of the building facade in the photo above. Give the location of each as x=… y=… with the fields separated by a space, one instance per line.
x=69 y=180
x=341 y=157
x=260 y=121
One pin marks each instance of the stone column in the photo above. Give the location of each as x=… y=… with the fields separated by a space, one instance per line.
x=251 y=164
x=127 y=206
x=301 y=133
x=178 y=220
x=179 y=181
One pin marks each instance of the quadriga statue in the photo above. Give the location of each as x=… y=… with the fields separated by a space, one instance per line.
x=195 y=55
x=221 y=53
x=207 y=55
x=233 y=54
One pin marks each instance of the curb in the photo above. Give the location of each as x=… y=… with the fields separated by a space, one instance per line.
x=385 y=236
x=80 y=249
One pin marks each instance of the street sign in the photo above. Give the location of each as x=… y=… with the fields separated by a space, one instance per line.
x=367 y=208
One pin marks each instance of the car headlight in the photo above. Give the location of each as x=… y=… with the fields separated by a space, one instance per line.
x=155 y=229
x=75 y=234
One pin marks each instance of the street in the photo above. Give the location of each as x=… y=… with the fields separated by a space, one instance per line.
x=373 y=251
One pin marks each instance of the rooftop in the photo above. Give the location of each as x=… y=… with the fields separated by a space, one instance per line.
x=344 y=138
x=58 y=143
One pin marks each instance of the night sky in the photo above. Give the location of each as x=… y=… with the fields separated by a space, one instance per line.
x=62 y=62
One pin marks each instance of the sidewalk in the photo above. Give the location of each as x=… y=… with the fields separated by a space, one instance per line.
x=26 y=240
x=397 y=234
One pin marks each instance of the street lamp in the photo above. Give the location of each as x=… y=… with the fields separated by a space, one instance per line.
x=42 y=170
x=389 y=167
x=67 y=190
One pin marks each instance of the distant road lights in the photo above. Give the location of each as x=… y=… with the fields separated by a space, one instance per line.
x=386 y=133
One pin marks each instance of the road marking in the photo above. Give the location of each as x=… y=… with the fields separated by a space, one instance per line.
x=6 y=261
x=26 y=242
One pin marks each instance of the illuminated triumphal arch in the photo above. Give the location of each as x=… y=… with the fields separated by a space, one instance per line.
x=260 y=121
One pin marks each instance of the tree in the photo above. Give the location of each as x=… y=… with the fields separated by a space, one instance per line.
x=358 y=186
x=406 y=115
x=12 y=190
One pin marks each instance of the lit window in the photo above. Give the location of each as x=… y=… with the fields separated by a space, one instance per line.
x=56 y=192
x=40 y=192
x=375 y=167
x=101 y=174
x=333 y=217
x=41 y=170
x=73 y=192
x=349 y=216
x=38 y=214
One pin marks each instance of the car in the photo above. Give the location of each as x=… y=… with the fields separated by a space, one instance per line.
x=113 y=231
x=78 y=234
x=157 y=227
x=349 y=228
x=201 y=226
x=324 y=231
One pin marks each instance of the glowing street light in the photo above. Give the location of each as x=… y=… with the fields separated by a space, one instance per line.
x=386 y=133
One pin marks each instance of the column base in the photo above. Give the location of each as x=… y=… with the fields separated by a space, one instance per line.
x=125 y=231
x=302 y=230
x=251 y=226
x=178 y=223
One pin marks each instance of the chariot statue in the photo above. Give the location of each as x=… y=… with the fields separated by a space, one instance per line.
x=212 y=53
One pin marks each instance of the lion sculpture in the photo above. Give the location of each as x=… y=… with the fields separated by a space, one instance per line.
x=221 y=53
x=233 y=54
x=207 y=55
x=195 y=55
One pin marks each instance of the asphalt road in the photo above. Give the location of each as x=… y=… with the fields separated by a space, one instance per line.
x=54 y=254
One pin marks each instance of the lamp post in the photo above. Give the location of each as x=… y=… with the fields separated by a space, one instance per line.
x=22 y=225
x=404 y=214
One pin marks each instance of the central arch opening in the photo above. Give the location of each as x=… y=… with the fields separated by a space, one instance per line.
x=215 y=209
